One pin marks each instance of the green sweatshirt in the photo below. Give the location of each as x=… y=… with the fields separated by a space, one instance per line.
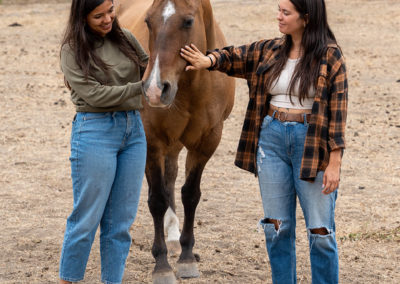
x=122 y=89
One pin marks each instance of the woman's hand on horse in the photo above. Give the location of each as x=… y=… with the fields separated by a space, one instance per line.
x=195 y=57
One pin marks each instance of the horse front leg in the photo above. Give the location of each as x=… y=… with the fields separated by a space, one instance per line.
x=171 y=221
x=187 y=264
x=191 y=193
x=158 y=202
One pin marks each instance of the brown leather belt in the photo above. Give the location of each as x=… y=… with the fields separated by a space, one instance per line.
x=287 y=116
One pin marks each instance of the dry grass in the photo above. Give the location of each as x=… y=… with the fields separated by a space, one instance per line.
x=35 y=186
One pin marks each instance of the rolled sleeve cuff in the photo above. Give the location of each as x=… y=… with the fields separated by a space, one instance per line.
x=217 y=56
x=137 y=88
x=336 y=143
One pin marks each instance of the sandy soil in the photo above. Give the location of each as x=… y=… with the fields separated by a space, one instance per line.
x=35 y=186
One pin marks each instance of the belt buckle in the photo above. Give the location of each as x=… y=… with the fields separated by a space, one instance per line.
x=280 y=114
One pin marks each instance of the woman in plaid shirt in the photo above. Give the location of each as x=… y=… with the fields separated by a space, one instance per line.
x=293 y=133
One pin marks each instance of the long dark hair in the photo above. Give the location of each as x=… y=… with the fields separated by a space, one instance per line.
x=82 y=40
x=317 y=35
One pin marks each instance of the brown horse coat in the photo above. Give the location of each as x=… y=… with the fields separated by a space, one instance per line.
x=187 y=110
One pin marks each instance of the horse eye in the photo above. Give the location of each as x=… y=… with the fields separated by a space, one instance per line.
x=187 y=23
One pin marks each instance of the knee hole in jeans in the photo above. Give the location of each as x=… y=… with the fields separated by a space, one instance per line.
x=277 y=223
x=319 y=231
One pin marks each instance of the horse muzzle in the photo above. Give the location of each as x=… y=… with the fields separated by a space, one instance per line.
x=160 y=95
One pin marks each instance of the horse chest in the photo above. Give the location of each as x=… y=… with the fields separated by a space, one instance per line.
x=188 y=129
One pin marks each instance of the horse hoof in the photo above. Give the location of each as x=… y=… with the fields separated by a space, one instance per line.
x=164 y=278
x=174 y=248
x=187 y=270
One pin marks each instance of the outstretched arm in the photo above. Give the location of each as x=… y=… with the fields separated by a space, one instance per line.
x=196 y=58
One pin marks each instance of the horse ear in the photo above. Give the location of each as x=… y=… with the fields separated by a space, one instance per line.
x=208 y=18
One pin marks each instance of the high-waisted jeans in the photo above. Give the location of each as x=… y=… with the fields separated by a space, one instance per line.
x=108 y=156
x=279 y=156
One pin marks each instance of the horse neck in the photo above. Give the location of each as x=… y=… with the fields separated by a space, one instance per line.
x=193 y=83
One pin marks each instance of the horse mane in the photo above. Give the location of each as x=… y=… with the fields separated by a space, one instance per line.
x=208 y=18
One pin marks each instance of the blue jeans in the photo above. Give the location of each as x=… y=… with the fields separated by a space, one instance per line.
x=279 y=158
x=108 y=156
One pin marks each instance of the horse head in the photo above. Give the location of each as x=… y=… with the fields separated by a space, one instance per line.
x=171 y=25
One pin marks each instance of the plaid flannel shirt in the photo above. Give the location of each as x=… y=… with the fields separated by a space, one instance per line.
x=328 y=119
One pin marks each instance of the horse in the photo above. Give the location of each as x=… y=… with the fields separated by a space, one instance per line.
x=181 y=109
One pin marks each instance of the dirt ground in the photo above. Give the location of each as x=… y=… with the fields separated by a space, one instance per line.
x=35 y=185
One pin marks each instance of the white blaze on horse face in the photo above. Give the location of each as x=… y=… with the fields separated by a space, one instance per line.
x=154 y=92
x=168 y=11
x=171 y=225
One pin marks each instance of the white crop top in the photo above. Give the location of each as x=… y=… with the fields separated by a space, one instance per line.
x=280 y=90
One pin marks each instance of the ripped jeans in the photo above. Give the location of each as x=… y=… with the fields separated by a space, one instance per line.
x=279 y=158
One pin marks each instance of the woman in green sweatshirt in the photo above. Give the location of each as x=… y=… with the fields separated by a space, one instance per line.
x=102 y=65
